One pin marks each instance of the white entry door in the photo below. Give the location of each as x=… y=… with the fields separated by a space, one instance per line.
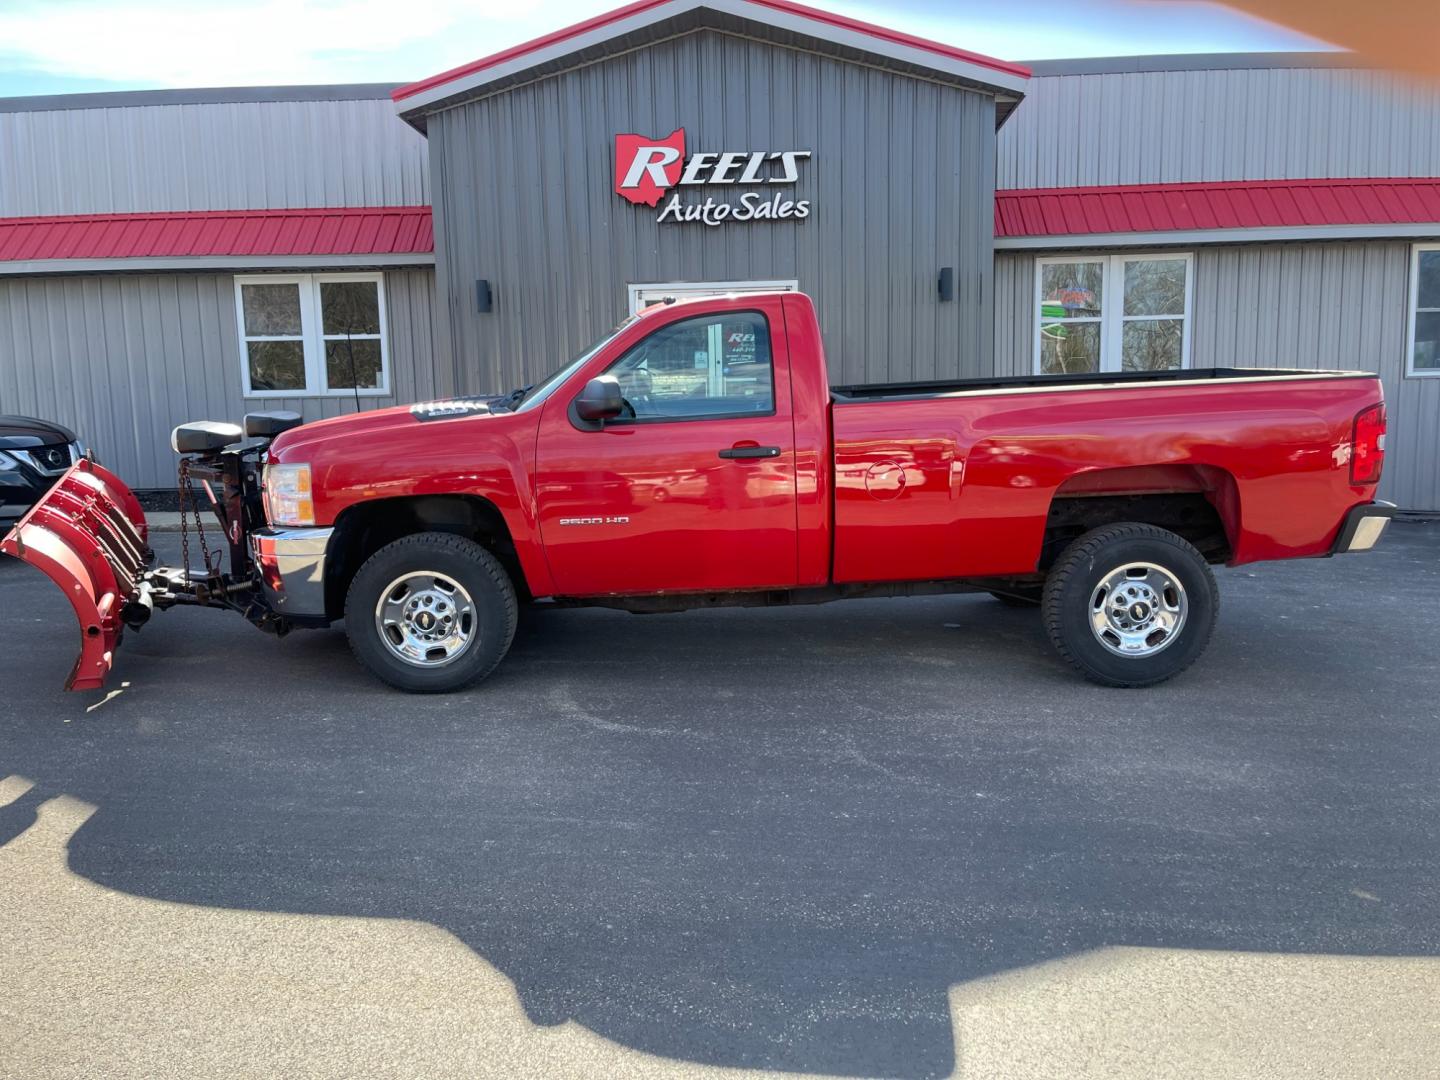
x=643 y=295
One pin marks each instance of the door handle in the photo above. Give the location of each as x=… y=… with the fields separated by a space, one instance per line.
x=751 y=452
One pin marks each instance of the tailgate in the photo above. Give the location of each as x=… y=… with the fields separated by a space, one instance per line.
x=88 y=536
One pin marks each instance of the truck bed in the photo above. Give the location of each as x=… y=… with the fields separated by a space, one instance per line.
x=957 y=479
x=862 y=392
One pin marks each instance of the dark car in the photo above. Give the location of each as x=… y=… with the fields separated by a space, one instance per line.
x=33 y=454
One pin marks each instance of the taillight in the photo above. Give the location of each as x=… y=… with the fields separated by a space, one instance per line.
x=1367 y=446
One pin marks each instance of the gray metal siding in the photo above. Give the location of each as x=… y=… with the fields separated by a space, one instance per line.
x=1014 y=313
x=900 y=182
x=1233 y=124
x=123 y=359
x=1336 y=305
x=216 y=156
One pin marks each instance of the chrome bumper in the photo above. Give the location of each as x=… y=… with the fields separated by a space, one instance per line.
x=1363 y=527
x=292 y=568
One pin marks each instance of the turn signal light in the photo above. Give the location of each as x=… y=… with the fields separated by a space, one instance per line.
x=288 y=499
x=1367 y=446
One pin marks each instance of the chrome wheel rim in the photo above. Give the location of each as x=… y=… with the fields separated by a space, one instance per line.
x=1138 y=609
x=426 y=619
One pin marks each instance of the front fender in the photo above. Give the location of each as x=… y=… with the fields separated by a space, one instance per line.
x=397 y=461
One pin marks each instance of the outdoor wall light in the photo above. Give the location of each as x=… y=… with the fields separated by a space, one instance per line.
x=947 y=284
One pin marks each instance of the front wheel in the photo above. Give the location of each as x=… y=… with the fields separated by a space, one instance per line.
x=1130 y=605
x=430 y=613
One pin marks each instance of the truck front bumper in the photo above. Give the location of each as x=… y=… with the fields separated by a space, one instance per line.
x=292 y=569
x=1363 y=526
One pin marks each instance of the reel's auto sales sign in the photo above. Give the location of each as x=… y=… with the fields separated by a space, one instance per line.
x=647 y=169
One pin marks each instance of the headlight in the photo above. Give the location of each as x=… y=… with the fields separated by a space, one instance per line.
x=8 y=462
x=288 y=500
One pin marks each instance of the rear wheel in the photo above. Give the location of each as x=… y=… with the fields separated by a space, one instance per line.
x=431 y=613
x=1130 y=605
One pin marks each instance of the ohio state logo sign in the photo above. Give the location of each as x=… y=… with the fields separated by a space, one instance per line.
x=646 y=170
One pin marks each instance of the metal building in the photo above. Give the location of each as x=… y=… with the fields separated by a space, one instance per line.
x=1301 y=192
x=180 y=254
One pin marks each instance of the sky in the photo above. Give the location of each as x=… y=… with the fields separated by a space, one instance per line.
x=72 y=46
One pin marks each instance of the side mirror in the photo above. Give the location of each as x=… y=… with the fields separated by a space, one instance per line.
x=600 y=400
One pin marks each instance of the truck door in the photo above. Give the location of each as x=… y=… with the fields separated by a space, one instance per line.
x=693 y=488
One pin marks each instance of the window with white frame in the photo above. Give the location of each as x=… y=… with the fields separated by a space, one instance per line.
x=1112 y=313
x=309 y=335
x=645 y=294
x=1424 y=350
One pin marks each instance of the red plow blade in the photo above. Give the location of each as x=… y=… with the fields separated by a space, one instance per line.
x=88 y=536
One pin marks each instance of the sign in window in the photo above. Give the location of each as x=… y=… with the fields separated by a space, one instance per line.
x=1112 y=313
x=700 y=368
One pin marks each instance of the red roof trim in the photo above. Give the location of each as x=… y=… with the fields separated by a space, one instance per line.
x=350 y=230
x=1227 y=204
x=1022 y=212
x=640 y=6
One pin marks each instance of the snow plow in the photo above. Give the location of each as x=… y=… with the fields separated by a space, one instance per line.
x=88 y=535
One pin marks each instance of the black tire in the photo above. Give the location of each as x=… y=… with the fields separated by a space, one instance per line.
x=1021 y=596
x=464 y=562
x=1077 y=576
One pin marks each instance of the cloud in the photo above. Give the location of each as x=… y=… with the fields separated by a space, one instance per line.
x=250 y=42
x=238 y=42
x=1036 y=29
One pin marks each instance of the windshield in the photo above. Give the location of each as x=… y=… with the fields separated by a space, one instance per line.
x=546 y=386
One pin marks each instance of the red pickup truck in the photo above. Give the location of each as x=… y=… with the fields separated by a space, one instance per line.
x=698 y=456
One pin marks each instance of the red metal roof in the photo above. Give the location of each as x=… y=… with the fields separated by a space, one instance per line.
x=363 y=230
x=1233 y=204
x=1024 y=212
x=786 y=6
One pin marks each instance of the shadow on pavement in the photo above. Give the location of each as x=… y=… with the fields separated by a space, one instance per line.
x=777 y=839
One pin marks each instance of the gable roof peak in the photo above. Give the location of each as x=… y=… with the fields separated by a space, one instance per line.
x=648 y=21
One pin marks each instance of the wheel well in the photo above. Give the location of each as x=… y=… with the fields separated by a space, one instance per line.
x=365 y=528
x=1197 y=502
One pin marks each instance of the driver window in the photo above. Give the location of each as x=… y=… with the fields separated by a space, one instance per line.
x=710 y=366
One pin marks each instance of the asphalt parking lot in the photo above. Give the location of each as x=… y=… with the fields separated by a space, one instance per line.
x=882 y=837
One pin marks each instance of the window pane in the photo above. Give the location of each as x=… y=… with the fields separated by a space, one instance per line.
x=1155 y=287
x=277 y=365
x=1071 y=290
x=352 y=364
x=1152 y=345
x=1427 y=341
x=350 y=307
x=710 y=366
x=1069 y=348
x=1429 y=292
x=271 y=309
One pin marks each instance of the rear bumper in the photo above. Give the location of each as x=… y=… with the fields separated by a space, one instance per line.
x=291 y=563
x=1363 y=526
